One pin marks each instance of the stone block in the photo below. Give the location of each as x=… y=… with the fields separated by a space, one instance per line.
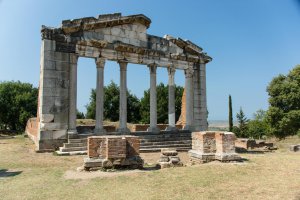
x=208 y=146
x=62 y=66
x=295 y=148
x=45 y=118
x=52 y=126
x=48 y=45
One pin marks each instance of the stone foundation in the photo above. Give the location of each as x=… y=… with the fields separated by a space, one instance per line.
x=113 y=151
x=209 y=146
x=169 y=158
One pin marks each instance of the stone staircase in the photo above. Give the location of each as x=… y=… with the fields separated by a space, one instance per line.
x=76 y=146
x=180 y=140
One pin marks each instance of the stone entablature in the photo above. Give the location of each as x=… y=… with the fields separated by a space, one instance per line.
x=123 y=39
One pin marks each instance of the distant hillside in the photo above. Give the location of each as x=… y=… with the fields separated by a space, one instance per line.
x=219 y=123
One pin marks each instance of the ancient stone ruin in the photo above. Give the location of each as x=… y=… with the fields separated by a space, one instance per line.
x=123 y=39
x=113 y=151
x=209 y=146
x=169 y=158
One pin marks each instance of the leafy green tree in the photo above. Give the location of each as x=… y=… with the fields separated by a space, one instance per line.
x=111 y=104
x=162 y=104
x=283 y=114
x=18 y=102
x=230 y=114
x=259 y=126
x=241 y=130
x=79 y=115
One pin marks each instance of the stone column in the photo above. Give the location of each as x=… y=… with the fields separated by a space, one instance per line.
x=100 y=62
x=203 y=101
x=72 y=98
x=123 y=99
x=189 y=98
x=153 y=100
x=171 y=99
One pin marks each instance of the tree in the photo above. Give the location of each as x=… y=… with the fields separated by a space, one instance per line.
x=111 y=104
x=259 y=126
x=162 y=104
x=283 y=114
x=79 y=115
x=241 y=130
x=18 y=102
x=230 y=114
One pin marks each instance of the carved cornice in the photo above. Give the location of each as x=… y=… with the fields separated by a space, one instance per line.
x=103 y=21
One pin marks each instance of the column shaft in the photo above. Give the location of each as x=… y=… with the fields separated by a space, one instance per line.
x=100 y=62
x=153 y=99
x=73 y=97
x=123 y=98
x=189 y=98
x=171 y=99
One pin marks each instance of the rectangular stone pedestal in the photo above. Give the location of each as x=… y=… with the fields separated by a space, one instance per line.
x=209 y=146
x=113 y=151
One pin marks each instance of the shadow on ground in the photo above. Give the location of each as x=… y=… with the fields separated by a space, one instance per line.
x=4 y=173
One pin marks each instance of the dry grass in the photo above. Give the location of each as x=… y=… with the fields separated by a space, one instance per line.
x=41 y=176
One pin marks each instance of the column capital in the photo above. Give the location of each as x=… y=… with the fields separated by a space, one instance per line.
x=188 y=72
x=152 y=68
x=171 y=71
x=100 y=62
x=123 y=65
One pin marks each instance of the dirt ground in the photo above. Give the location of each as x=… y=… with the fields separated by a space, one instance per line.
x=25 y=174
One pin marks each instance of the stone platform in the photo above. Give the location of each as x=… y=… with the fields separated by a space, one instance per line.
x=150 y=142
x=209 y=146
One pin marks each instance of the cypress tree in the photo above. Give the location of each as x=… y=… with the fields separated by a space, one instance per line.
x=230 y=114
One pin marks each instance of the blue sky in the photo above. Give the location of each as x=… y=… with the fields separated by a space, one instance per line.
x=250 y=41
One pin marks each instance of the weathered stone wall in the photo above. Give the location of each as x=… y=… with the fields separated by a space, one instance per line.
x=225 y=142
x=204 y=142
x=53 y=95
x=208 y=146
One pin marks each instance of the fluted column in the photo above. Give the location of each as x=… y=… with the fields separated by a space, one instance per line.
x=123 y=99
x=153 y=99
x=73 y=97
x=100 y=62
x=189 y=98
x=171 y=99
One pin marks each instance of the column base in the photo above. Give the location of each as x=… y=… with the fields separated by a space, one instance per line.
x=188 y=127
x=99 y=131
x=153 y=129
x=72 y=134
x=123 y=131
x=171 y=128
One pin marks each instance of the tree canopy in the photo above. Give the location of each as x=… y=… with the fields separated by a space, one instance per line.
x=284 y=111
x=18 y=102
x=162 y=104
x=111 y=104
x=137 y=110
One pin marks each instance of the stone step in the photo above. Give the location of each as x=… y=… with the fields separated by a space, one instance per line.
x=71 y=153
x=83 y=140
x=142 y=150
x=165 y=139
x=167 y=142
x=62 y=149
x=167 y=146
x=165 y=136
x=70 y=145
